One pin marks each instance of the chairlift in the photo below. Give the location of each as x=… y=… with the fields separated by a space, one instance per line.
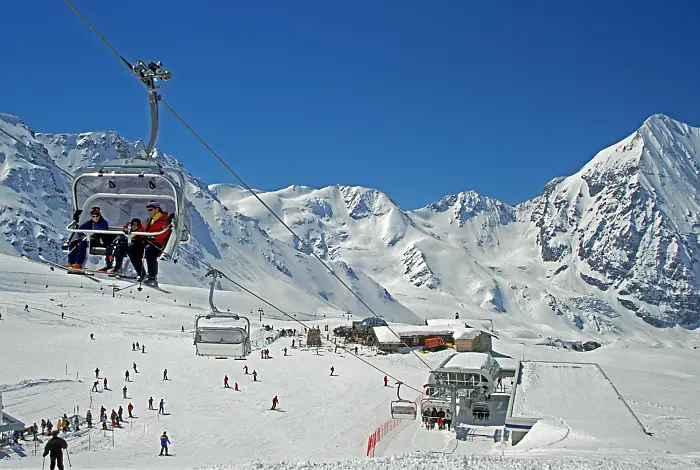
x=122 y=188
x=403 y=409
x=221 y=341
x=481 y=411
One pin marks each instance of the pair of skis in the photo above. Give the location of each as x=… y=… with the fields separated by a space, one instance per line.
x=89 y=274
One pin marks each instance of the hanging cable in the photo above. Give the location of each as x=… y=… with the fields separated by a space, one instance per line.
x=265 y=301
x=211 y=150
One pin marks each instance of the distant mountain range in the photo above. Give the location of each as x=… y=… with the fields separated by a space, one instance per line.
x=610 y=249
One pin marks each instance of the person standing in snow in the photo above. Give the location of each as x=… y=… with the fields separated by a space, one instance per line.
x=135 y=371
x=130 y=408
x=332 y=370
x=164 y=441
x=120 y=414
x=94 y=386
x=386 y=381
x=161 y=407
x=26 y=308
x=88 y=418
x=54 y=448
x=165 y=374
x=235 y=386
x=126 y=375
x=150 y=403
x=105 y=384
x=78 y=248
x=226 y=381
x=133 y=346
x=124 y=391
x=245 y=369
x=274 y=403
x=97 y=372
x=255 y=376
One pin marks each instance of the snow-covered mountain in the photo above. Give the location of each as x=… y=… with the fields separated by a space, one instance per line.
x=609 y=250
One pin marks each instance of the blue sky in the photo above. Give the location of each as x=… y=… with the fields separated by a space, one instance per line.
x=418 y=99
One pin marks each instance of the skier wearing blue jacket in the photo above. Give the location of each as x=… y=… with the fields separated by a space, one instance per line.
x=164 y=441
x=77 y=249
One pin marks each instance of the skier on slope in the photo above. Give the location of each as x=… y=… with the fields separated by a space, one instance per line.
x=124 y=391
x=255 y=376
x=77 y=249
x=105 y=384
x=245 y=369
x=165 y=374
x=226 y=381
x=97 y=372
x=332 y=370
x=130 y=408
x=135 y=368
x=274 y=403
x=161 y=407
x=54 y=448
x=386 y=381
x=150 y=403
x=164 y=441
x=126 y=375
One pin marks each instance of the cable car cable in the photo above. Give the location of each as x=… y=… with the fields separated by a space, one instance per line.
x=223 y=162
x=262 y=299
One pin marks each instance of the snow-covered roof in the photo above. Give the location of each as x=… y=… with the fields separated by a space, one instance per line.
x=466 y=333
x=384 y=335
x=468 y=360
x=446 y=322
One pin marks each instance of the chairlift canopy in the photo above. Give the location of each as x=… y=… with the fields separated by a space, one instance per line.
x=122 y=189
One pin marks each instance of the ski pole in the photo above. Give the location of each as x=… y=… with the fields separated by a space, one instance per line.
x=43 y=462
x=68 y=455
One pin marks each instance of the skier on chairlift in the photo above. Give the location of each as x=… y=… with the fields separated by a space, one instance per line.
x=151 y=247
x=77 y=249
x=115 y=252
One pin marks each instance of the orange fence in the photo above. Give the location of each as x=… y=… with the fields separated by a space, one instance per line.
x=385 y=429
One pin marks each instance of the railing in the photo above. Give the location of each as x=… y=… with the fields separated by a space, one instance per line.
x=385 y=428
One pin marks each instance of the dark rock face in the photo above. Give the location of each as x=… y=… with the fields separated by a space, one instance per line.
x=622 y=228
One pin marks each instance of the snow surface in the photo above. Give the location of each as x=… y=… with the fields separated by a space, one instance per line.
x=323 y=419
x=469 y=360
x=384 y=334
x=580 y=401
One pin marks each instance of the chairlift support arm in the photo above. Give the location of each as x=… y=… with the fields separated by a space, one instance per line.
x=148 y=75
x=214 y=275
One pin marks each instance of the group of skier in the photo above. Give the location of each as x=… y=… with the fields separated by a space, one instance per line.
x=117 y=246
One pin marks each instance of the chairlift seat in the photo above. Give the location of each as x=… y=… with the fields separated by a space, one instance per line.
x=403 y=409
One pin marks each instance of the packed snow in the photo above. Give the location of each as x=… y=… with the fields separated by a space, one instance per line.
x=50 y=363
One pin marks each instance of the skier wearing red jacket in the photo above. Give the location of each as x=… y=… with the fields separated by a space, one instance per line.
x=150 y=247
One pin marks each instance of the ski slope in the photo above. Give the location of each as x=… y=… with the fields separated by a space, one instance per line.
x=321 y=418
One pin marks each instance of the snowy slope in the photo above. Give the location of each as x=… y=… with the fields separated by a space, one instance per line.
x=35 y=206
x=608 y=252
x=325 y=420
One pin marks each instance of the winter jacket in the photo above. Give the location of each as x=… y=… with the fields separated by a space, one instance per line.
x=55 y=446
x=157 y=223
x=164 y=441
x=90 y=225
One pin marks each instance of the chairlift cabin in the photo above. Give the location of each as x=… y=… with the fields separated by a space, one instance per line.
x=122 y=188
x=221 y=339
x=403 y=409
